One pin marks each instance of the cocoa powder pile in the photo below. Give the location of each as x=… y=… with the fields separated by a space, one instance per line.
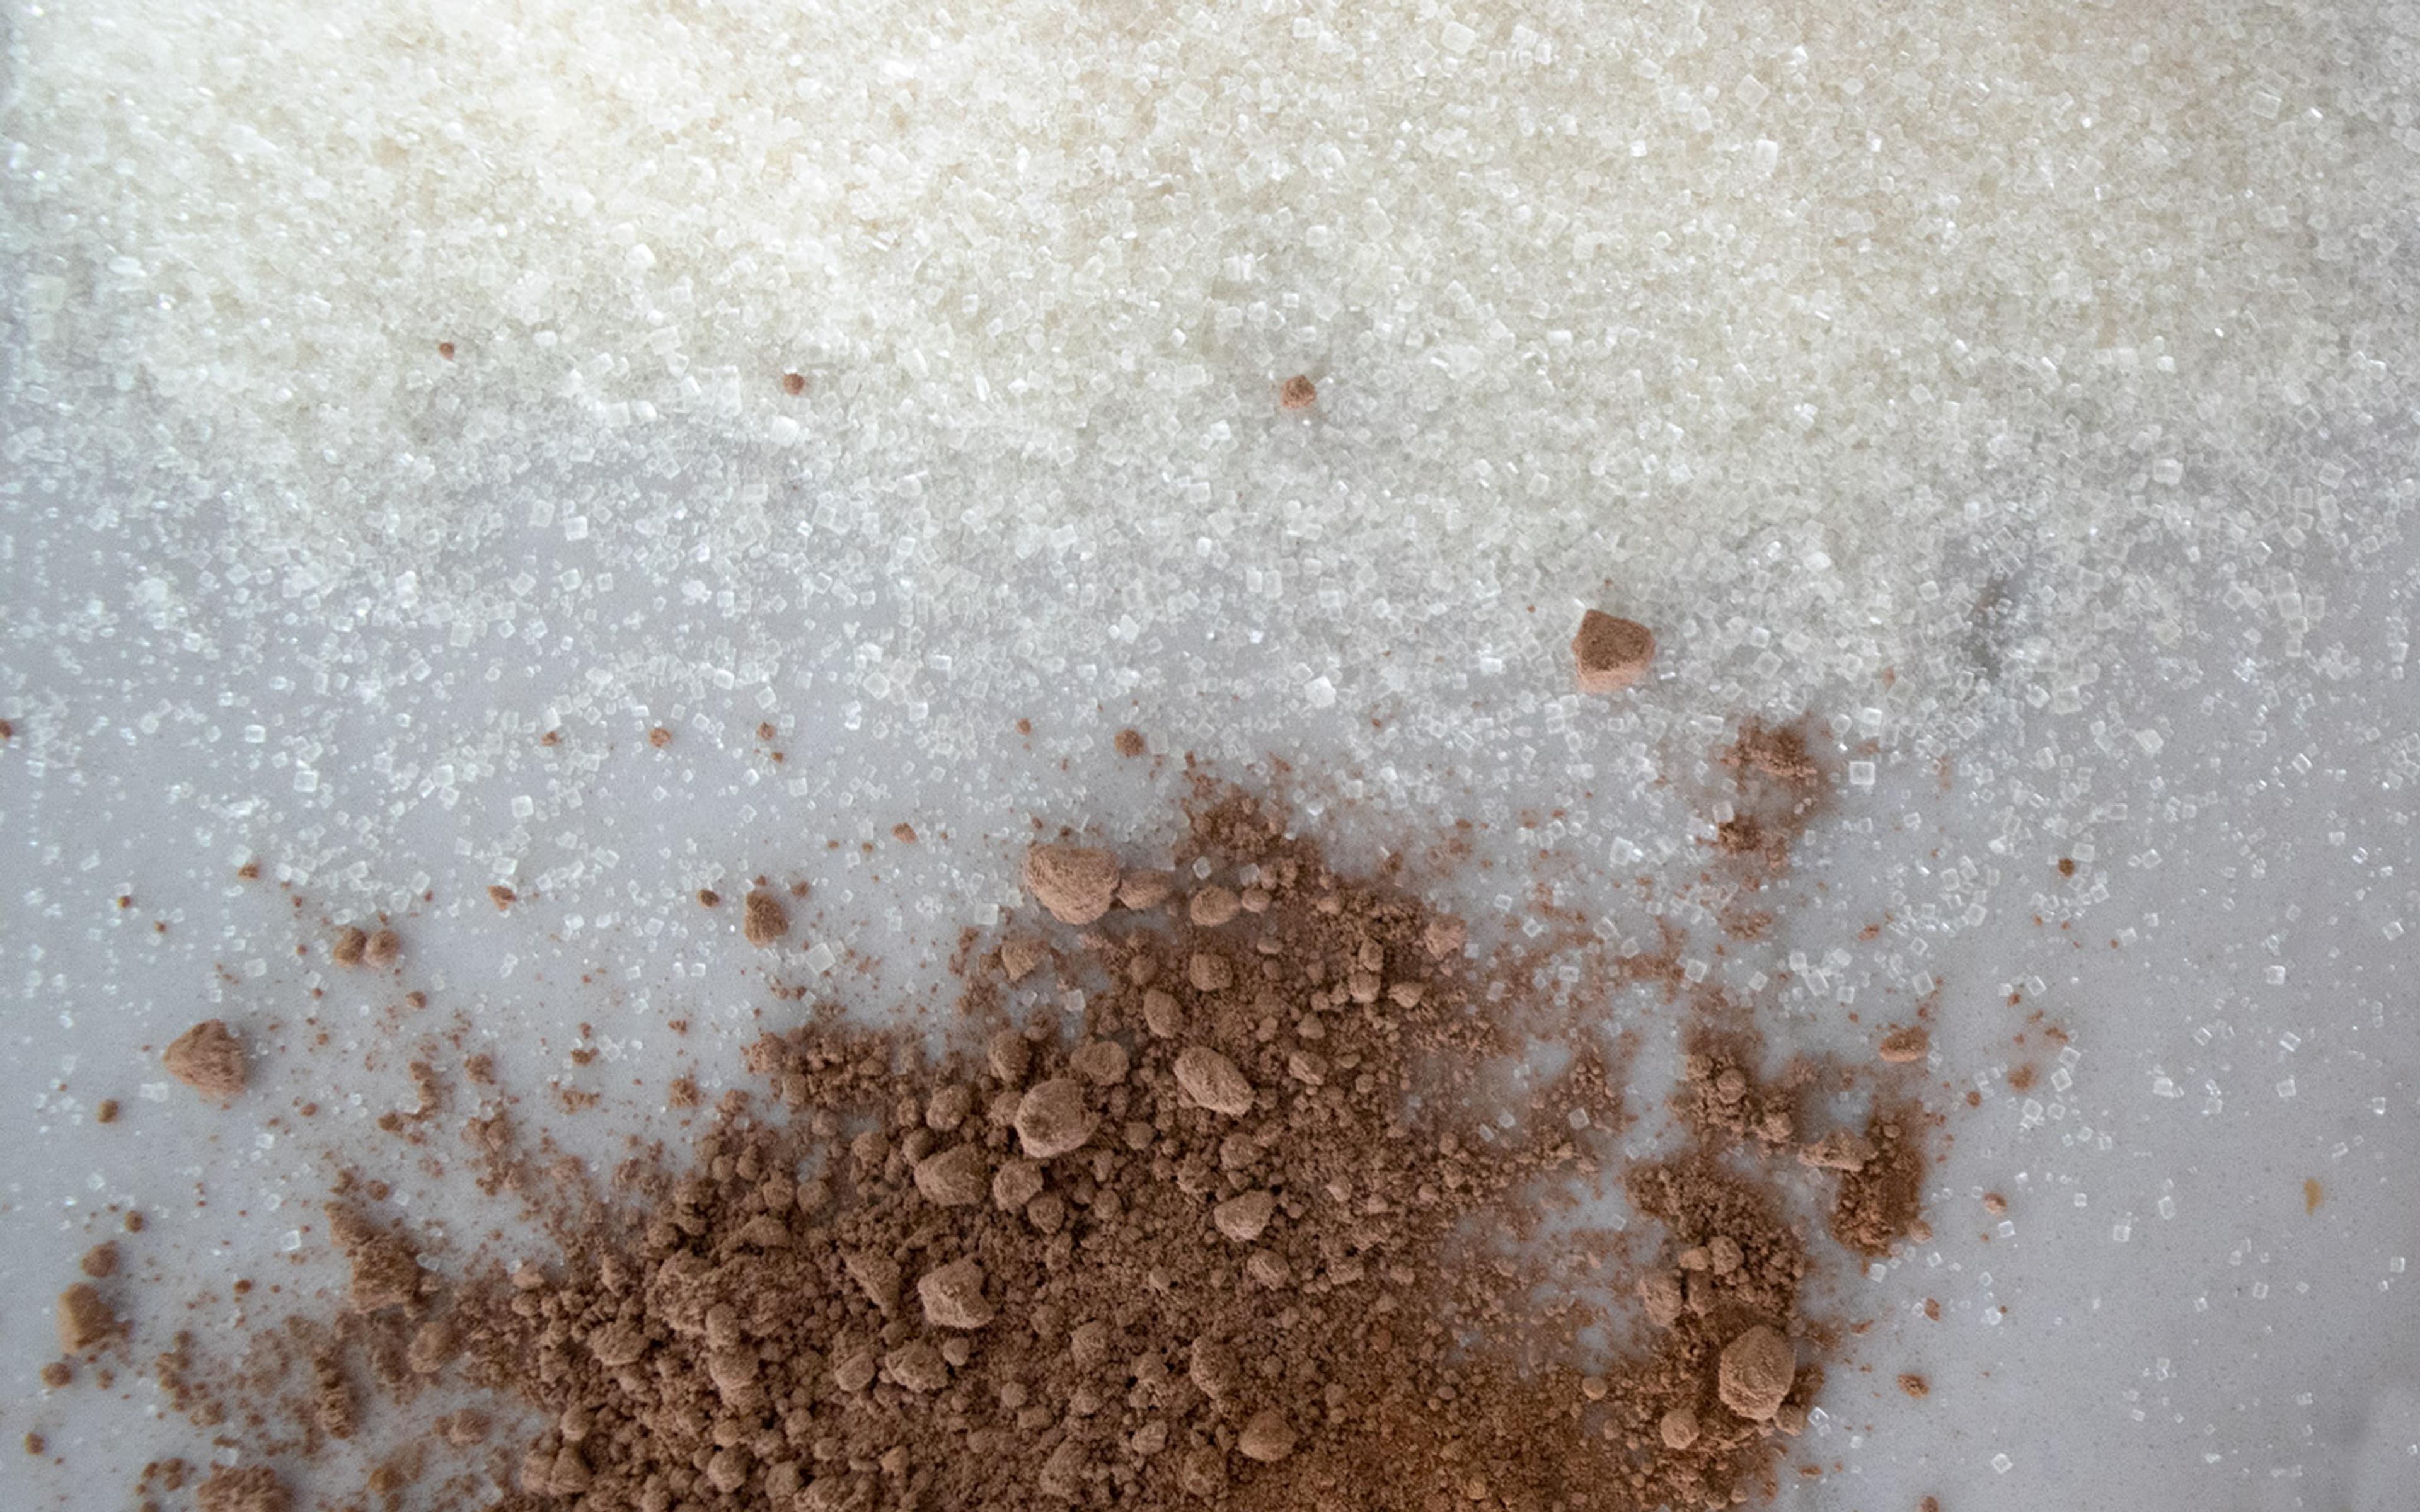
x=1259 y=1228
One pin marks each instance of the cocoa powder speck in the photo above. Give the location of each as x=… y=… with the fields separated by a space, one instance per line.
x=208 y=1058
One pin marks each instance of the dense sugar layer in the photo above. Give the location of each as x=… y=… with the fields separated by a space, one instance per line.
x=1905 y=368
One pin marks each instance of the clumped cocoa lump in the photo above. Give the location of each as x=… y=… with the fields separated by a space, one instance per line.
x=208 y=1058
x=100 y=1262
x=245 y=1488
x=1610 y=653
x=383 y=949
x=85 y=1321
x=1129 y=743
x=1075 y=883
x=763 y=920
x=1881 y=1198
x=351 y=944
x=1297 y=392
x=1903 y=1047
x=1777 y=788
x=1225 y=1239
x=385 y=1272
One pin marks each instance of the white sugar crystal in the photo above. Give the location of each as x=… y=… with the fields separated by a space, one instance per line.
x=889 y=328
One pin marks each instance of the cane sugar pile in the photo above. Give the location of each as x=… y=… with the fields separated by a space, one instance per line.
x=1273 y=1218
x=1852 y=321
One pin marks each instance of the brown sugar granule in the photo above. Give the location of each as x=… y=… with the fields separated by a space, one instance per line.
x=56 y=1374
x=794 y=384
x=1075 y=883
x=351 y=944
x=1297 y=392
x=134 y=1221
x=245 y=1488
x=1931 y=1503
x=1994 y=1204
x=502 y=896
x=1610 y=653
x=2067 y=866
x=208 y=1058
x=660 y=738
x=35 y=1442
x=708 y=898
x=903 y=833
x=106 y=1112
x=1129 y=742
x=765 y=920
x=1913 y=1384
x=1902 y=1046
x=85 y=1321
x=100 y=1262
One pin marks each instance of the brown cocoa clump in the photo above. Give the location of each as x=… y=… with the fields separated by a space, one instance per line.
x=351 y=944
x=763 y=920
x=1777 y=790
x=1915 y=1385
x=1881 y=1199
x=249 y=1488
x=1129 y=743
x=1611 y=652
x=85 y=1321
x=1222 y=1243
x=1297 y=392
x=100 y=1262
x=208 y=1058
x=1903 y=1047
x=382 y=948
x=1075 y=883
x=1756 y=1370
x=385 y=1272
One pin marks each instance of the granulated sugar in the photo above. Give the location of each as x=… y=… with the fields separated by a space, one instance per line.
x=1878 y=360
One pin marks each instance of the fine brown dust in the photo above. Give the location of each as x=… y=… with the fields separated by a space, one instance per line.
x=1260 y=1228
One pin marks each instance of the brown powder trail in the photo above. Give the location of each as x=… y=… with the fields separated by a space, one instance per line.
x=1261 y=1231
